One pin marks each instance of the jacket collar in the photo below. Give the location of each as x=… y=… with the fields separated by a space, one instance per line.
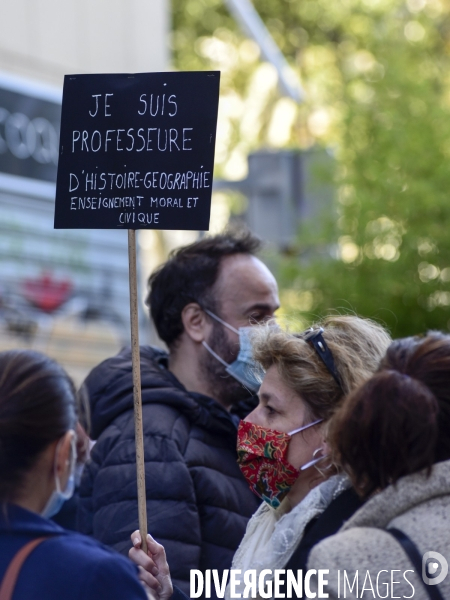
x=110 y=388
x=14 y=519
x=397 y=499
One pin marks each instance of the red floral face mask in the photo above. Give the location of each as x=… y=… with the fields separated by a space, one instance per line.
x=262 y=459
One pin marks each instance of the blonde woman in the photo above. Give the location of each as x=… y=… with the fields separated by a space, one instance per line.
x=282 y=444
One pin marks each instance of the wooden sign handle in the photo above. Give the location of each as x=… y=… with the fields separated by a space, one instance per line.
x=136 y=362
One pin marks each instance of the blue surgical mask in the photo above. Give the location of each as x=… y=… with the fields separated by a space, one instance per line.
x=244 y=369
x=59 y=496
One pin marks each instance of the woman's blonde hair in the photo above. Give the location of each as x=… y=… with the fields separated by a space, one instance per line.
x=357 y=346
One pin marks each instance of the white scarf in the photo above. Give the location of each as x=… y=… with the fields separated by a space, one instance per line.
x=272 y=535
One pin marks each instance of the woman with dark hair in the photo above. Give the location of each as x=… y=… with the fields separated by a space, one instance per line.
x=38 y=559
x=392 y=437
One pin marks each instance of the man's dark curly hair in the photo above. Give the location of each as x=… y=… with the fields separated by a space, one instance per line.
x=188 y=276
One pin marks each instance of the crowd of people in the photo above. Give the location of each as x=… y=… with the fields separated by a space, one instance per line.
x=265 y=449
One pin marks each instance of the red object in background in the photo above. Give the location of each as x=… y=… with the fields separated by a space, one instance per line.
x=47 y=293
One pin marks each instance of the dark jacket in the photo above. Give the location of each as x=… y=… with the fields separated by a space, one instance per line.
x=67 y=566
x=328 y=523
x=198 y=503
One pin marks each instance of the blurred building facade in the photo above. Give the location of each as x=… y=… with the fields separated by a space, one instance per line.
x=62 y=292
x=46 y=39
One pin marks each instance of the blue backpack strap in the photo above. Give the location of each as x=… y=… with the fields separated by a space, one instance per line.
x=414 y=555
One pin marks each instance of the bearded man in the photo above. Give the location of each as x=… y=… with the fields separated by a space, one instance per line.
x=198 y=503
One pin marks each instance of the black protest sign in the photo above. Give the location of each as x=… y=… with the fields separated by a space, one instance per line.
x=137 y=151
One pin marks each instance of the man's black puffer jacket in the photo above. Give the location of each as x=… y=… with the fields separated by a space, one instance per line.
x=198 y=502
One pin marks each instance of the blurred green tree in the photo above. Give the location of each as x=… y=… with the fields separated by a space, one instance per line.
x=377 y=79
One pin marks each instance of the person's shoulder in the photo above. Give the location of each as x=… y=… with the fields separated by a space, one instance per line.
x=93 y=563
x=79 y=547
x=110 y=387
x=121 y=363
x=347 y=549
x=107 y=373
